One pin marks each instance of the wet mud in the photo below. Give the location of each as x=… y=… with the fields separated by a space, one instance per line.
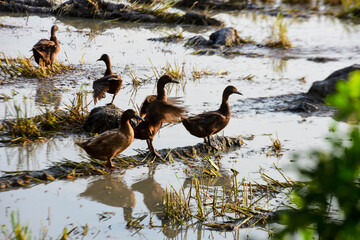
x=108 y=11
x=70 y=169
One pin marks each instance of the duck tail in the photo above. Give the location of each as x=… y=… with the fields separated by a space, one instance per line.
x=80 y=144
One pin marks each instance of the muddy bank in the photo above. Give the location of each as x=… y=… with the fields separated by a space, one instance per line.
x=99 y=9
x=311 y=103
x=228 y=43
x=215 y=4
x=320 y=89
x=68 y=169
x=294 y=103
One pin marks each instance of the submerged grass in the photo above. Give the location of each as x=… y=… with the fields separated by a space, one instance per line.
x=23 y=67
x=21 y=231
x=278 y=34
x=77 y=110
x=243 y=204
x=23 y=127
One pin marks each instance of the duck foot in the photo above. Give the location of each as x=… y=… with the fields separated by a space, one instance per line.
x=156 y=154
x=111 y=166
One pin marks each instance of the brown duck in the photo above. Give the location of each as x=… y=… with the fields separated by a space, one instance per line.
x=46 y=50
x=110 y=83
x=112 y=142
x=157 y=112
x=208 y=123
x=149 y=99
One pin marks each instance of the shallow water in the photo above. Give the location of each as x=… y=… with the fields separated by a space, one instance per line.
x=79 y=202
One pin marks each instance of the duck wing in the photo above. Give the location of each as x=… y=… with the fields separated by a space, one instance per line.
x=205 y=124
x=144 y=106
x=44 y=45
x=151 y=98
x=160 y=111
x=101 y=86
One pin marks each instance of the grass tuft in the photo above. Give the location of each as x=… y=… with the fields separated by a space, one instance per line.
x=23 y=67
x=245 y=204
x=278 y=34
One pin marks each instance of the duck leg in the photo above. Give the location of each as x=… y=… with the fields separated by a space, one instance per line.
x=109 y=163
x=112 y=100
x=152 y=149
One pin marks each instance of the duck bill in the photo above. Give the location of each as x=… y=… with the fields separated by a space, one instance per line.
x=140 y=118
x=174 y=81
x=99 y=59
x=238 y=93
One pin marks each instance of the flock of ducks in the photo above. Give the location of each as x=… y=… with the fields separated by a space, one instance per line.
x=154 y=111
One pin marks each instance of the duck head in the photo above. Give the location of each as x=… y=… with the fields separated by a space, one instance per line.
x=130 y=113
x=166 y=79
x=230 y=90
x=104 y=58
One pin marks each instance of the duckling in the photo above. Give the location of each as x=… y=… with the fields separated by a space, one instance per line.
x=157 y=112
x=112 y=142
x=208 y=123
x=110 y=83
x=46 y=50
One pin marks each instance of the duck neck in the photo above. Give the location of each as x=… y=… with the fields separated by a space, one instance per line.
x=161 y=94
x=53 y=37
x=224 y=107
x=125 y=125
x=108 y=68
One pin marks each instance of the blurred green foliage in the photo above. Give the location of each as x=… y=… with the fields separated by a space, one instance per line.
x=328 y=206
x=347 y=99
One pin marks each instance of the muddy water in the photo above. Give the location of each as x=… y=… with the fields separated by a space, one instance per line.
x=105 y=203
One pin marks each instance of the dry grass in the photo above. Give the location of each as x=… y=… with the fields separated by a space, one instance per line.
x=23 y=127
x=278 y=34
x=23 y=67
x=244 y=203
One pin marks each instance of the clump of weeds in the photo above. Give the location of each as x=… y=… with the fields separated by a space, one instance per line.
x=241 y=204
x=278 y=34
x=350 y=9
x=276 y=147
x=23 y=128
x=23 y=67
x=156 y=8
x=26 y=128
x=77 y=110
x=21 y=231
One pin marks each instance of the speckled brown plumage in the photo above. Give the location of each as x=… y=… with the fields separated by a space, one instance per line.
x=112 y=142
x=110 y=83
x=157 y=112
x=208 y=123
x=46 y=50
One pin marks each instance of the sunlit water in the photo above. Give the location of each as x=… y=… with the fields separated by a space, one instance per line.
x=78 y=202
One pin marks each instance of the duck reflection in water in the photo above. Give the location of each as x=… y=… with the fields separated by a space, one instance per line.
x=47 y=93
x=113 y=192
x=153 y=194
